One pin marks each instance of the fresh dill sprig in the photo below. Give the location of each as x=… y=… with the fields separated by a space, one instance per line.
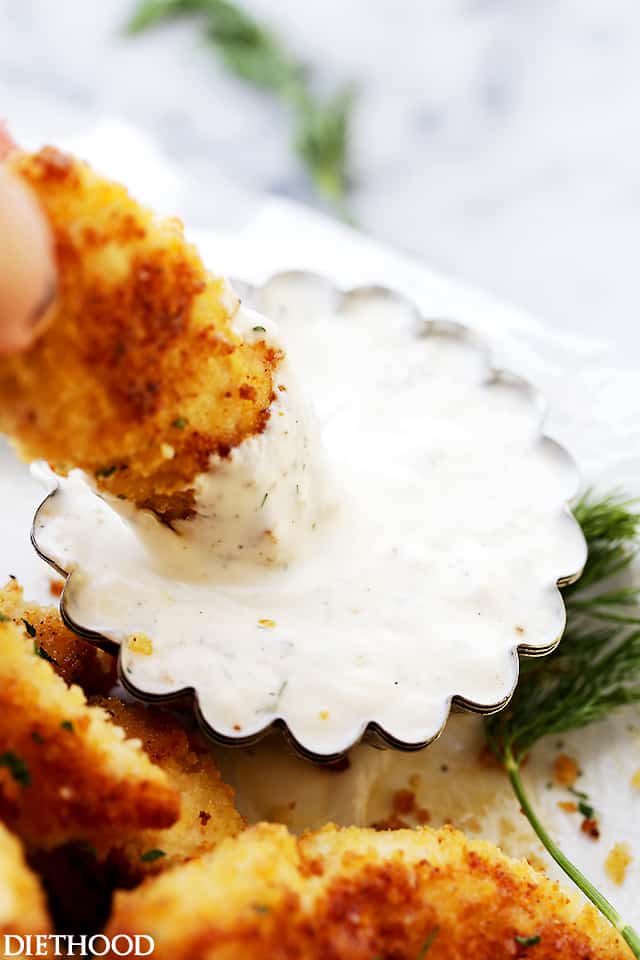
x=611 y=526
x=596 y=666
x=257 y=56
x=594 y=670
x=590 y=674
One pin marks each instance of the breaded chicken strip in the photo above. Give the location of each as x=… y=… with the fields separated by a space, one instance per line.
x=22 y=903
x=207 y=812
x=140 y=376
x=80 y=887
x=356 y=894
x=66 y=771
x=74 y=659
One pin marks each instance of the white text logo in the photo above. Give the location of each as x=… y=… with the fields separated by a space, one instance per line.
x=98 y=945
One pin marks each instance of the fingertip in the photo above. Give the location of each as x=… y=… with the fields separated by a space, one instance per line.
x=7 y=143
x=27 y=267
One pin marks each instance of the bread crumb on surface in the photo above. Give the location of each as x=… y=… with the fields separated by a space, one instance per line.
x=404 y=801
x=536 y=862
x=140 y=643
x=618 y=859
x=590 y=826
x=565 y=770
x=487 y=758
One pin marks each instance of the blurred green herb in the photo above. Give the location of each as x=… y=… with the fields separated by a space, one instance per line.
x=528 y=941
x=426 y=946
x=150 y=856
x=594 y=670
x=611 y=526
x=106 y=471
x=87 y=848
x=257 y=56
x=41 y=652
x=16 y=767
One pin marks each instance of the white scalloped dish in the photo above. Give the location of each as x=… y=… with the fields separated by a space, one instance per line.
x=433 y=558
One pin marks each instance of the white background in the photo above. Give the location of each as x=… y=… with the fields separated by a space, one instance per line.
x=499 y=139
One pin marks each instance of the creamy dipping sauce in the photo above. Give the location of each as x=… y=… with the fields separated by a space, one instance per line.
x=365 y=563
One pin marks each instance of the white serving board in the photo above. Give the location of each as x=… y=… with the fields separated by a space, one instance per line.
x=594 y=412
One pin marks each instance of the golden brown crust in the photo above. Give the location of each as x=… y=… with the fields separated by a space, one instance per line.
x=80 y=886
x=75 y=660
x=207 y=811
x=67 y=772
x=139 y=378
x=359 y=894
x=22 y=902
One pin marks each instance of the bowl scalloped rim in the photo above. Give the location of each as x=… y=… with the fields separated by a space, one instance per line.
x=372 y=732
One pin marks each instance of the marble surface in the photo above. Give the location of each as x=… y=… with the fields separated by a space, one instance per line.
x=498 y=139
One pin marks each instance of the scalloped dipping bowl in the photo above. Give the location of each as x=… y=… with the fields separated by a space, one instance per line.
x=440 y=561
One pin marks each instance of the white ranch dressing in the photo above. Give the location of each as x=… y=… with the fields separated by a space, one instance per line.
x=404 y=572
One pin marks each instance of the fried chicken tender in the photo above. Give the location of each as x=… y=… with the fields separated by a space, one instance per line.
x=79 y=886
x=75 y=660
x=140 y=377
x=22 y=902
x=207 y=811
x=66 y=771
x=356 y=894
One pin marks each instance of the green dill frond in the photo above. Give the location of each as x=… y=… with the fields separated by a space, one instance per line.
x=322 y=131
x=596 y=666
x=149 y=13
x=251 y=52
x=594 y=670
x=580 y=684
x=16 y=767
x=611 y=526
x=256 y=55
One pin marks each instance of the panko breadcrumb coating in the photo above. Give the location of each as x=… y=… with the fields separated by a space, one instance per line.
x=66 y=771
x=207 y=811
x=74 y=659
x=22 y=902
x=140 y=377
x=357 y=894
x=79 y=886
